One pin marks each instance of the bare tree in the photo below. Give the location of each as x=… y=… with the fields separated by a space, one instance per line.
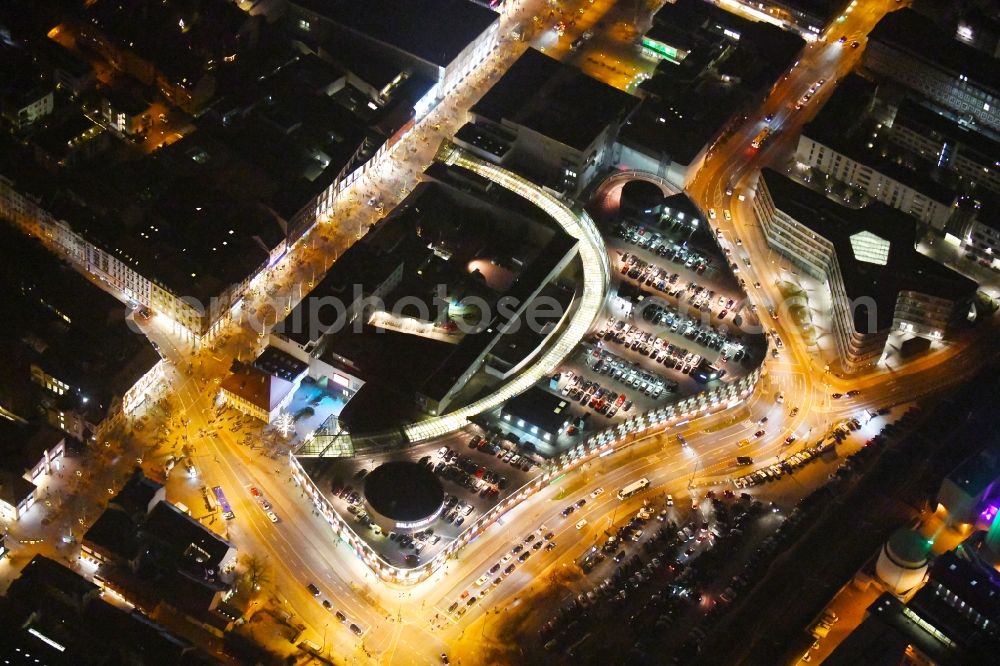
x=256 y=571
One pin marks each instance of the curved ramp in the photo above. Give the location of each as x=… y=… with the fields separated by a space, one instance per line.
x=596 y=272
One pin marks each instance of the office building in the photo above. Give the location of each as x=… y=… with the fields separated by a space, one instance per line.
x=439 y=40
x=866 y=256
x=947 y=144
x=560 y=123
x=953 y=619
x=910 y=49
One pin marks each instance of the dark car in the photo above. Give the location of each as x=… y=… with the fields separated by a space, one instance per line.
x=524 y=556
x=313 y=590
x=356 y=629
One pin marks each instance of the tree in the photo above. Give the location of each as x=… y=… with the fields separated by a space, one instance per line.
x=257 y=572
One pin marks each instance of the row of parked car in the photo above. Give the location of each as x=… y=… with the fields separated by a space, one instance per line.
x=669 y=284
x=513 y=458
x=602 y=400
x=660 y=245
x=793 y=462
x=717 y=338
x=777 y=470
x=629 y=373
x=651 y=345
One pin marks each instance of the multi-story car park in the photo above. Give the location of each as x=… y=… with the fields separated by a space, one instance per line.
x=878 y=281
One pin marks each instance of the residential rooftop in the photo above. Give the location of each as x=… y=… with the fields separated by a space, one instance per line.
x=256 y=386
x=58 y=618
x=59 y=322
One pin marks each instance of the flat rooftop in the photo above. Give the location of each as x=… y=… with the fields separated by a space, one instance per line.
x=858 y=235
x=555 y=100
x=539 y=408
x=435 y=31
x=977 y=473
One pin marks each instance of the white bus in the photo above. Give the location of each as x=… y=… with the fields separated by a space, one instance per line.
x=633 y=488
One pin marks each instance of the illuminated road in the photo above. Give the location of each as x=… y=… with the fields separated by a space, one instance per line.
x=412 y=626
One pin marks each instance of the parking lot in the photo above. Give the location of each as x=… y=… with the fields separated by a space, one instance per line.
x=683 y=255
x=645 y=571
x=477 y=470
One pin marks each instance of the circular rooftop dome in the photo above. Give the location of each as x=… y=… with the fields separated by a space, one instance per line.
x=641 y=198
x=902 y=562
x=908 y=548
x=405 y=495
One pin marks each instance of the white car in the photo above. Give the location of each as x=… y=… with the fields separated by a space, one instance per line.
x=583 y=523
x=727 y=215
x=272 y=516
x=670 y=500
x=711 y=213
x=506 y=558
x=482 y=579
x=597 y=493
